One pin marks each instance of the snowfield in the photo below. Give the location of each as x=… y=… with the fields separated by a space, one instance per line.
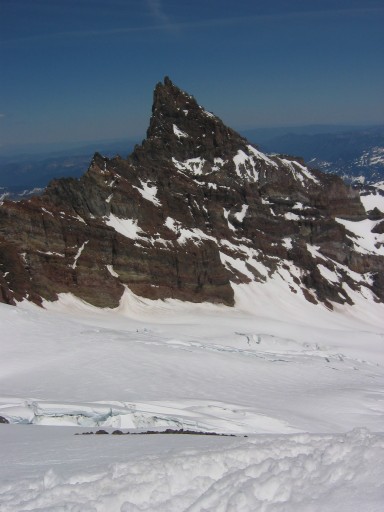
x=300 y=387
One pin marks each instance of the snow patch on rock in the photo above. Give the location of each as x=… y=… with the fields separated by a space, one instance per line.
x=179 y=133
x=364 y=240
x=149 y=192
x=126 y=227
x=192 y=165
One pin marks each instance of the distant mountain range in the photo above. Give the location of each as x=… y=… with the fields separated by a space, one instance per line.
x=354 y=153
x=27 y=173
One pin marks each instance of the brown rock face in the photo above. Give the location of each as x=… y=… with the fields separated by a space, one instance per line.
x=190 y=211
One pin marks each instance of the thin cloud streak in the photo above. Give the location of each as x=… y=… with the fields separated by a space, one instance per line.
x=157 y=12
x=208 y=23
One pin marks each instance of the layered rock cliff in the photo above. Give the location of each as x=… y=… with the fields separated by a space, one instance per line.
x=193 y=209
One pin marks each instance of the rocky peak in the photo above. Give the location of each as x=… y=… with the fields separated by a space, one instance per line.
x=180 y=127
x=194 y=211
x=169 y=104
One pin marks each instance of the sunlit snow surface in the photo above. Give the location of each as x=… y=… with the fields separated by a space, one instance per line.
x=373 y=200
x=46 y=470
x=365 y=240
x=306 y=386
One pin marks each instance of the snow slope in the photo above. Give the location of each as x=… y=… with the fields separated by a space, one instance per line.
x=275 y=368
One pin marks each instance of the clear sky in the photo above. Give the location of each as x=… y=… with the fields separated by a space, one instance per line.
x=85 y=69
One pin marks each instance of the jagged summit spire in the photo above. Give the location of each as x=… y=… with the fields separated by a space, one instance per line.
x=167 y=81
x=169 y=102
x=180 y=124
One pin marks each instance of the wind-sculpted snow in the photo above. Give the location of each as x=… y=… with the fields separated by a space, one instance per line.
x=295 y=473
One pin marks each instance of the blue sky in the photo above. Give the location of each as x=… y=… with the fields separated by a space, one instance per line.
x=78 y=70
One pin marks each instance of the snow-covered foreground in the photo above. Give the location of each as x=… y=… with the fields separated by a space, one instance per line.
x=275 y=368
x=50 y=469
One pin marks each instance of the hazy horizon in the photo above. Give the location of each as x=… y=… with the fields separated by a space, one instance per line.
x=45 y=148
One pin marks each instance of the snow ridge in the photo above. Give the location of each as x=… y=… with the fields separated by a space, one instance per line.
x=272 y=474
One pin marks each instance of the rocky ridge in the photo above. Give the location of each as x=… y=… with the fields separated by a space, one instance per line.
x=192 y=210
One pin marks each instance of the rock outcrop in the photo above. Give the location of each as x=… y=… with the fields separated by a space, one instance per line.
x=193 y=209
